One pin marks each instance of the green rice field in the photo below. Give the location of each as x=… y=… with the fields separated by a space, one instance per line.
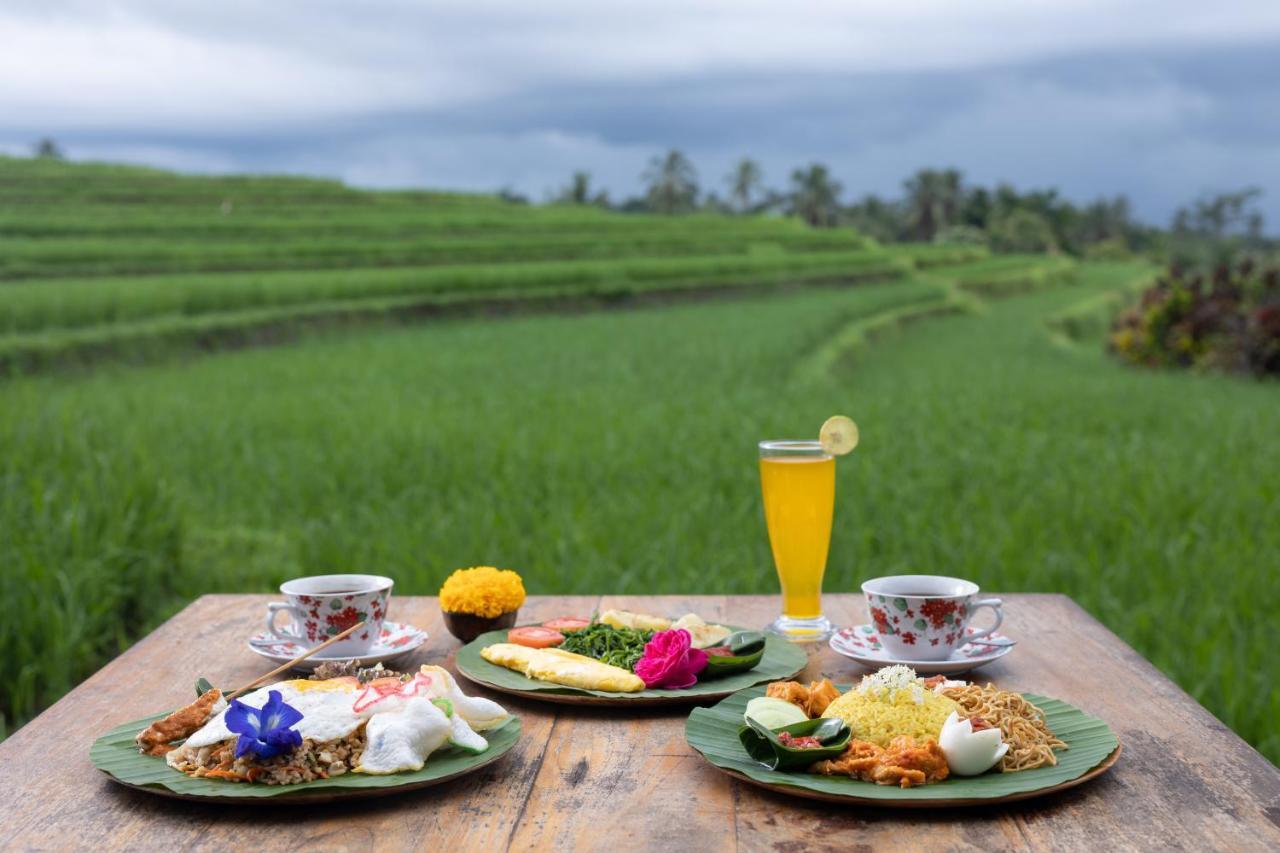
x=145 y=460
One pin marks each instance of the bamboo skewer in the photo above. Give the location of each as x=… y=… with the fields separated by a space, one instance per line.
x=308 y=653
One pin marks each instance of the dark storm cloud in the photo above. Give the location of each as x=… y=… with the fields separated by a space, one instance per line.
x=724 y=111
x=1161 y=101
x=1163 y=126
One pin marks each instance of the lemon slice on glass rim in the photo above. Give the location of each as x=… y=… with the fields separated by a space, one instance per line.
x=838 y=436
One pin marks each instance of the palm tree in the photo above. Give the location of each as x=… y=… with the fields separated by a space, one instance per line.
x=743 y=182
x=712 y=203
x=815 y=196
x=578 y=191
x=877 y=218
x=1104 y=219
x=975 y=208
x=933 y=200
x=673 y=183
x=1023 y=230
x=47 y=149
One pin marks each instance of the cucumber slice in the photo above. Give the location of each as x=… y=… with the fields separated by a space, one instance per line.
x=774 y=713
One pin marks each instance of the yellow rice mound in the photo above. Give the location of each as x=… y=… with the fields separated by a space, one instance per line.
x=880 y=716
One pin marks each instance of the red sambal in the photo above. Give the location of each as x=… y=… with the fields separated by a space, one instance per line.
x=792 y=742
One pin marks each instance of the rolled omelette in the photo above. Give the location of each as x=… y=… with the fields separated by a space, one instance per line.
x=559 y=667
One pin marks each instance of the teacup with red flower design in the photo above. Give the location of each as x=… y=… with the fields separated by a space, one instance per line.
x=923 y=617
x=322 y=606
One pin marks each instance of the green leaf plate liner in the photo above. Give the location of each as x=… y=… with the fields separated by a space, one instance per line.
x=782 y=660
x=116 y=755
x=714 y=733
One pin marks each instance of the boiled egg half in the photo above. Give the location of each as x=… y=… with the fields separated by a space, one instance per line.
x=970 y=752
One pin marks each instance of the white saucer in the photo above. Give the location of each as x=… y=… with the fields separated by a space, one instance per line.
x=862 y=643
x=396 y=640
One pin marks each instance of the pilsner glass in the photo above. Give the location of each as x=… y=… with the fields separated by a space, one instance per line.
x=798 y=482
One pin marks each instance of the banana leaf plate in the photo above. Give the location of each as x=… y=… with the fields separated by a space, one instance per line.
x=115 y=754
x=1091 y=750
x=782 y=660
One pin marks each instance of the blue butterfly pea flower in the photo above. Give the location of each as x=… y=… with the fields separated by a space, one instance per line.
x=265 y=732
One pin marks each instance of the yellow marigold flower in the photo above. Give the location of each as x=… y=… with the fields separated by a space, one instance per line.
x=482 y=591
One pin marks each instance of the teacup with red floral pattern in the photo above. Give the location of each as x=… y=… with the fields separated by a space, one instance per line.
x=322 y=606
x=923 y=617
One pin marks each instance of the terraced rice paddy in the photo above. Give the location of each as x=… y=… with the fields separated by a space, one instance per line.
x=112 y=262
x=613 y=450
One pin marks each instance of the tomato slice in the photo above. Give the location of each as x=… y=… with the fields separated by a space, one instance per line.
x=535 y=637
x=567 y=624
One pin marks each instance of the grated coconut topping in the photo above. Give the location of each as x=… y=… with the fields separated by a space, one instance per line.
x=888 y=681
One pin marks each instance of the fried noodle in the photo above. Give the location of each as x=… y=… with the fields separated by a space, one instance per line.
x=1031 y=743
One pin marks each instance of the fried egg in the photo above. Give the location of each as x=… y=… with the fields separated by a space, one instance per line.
x=325 y=707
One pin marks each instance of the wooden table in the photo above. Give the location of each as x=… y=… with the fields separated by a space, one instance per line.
x=610 y=779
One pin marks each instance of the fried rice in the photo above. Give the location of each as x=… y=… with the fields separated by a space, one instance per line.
x=308 y=762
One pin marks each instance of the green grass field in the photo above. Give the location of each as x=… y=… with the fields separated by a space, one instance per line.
x=615 y=451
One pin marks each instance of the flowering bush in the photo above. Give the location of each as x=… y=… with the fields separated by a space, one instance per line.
x=1230 y=321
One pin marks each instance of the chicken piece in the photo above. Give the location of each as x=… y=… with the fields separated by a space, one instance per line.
x=859 y=757
x=902 y=777
x=789 y=691
x=813 y=700
x=156 y=739
x=904 y=763
x=821 y=694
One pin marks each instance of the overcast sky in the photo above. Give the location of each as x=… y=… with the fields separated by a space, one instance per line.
x=1159 y=99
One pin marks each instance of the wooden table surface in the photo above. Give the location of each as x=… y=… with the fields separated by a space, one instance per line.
x=609 y=778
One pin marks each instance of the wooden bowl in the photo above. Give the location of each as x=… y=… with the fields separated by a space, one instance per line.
x=467 y=626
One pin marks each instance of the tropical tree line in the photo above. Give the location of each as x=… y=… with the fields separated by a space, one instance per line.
x=938 y=205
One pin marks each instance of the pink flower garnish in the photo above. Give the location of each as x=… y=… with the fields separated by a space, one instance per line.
x=671 y=661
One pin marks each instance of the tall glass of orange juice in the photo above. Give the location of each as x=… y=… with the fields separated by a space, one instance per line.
x=798 y=481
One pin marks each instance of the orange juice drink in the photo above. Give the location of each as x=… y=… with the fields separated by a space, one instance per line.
x=798 y=482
